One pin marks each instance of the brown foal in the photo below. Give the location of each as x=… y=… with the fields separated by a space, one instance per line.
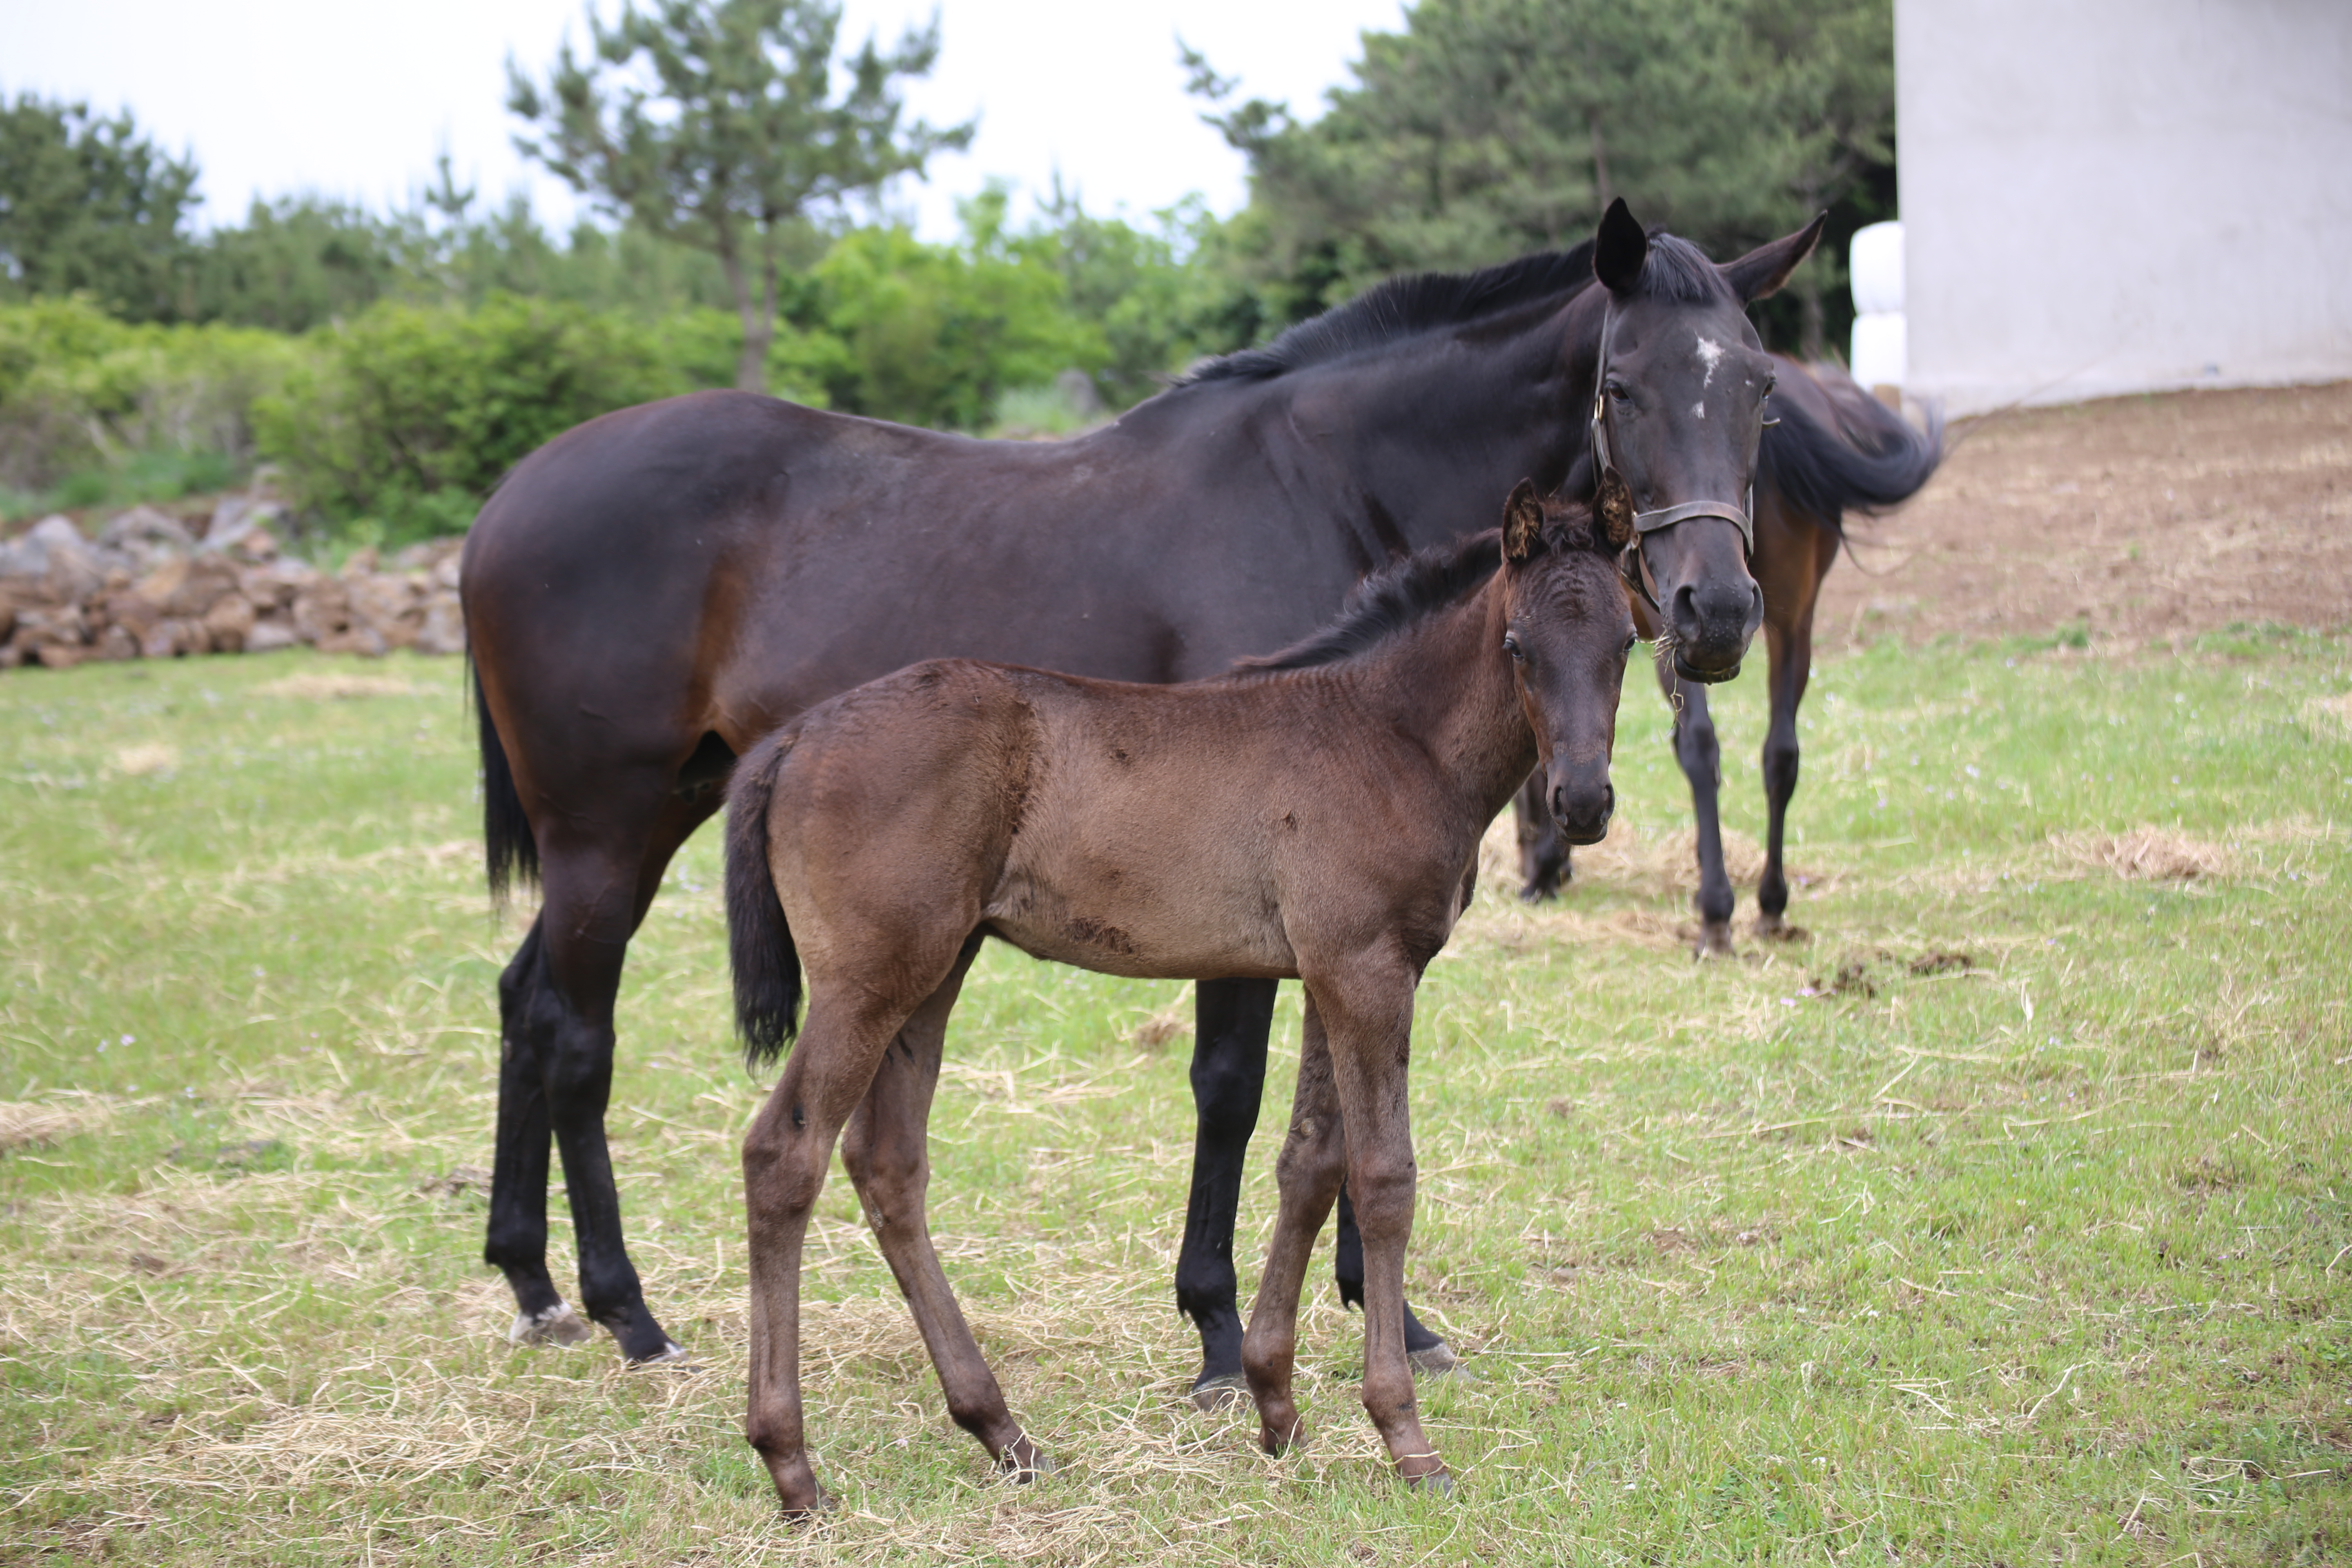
x=1315 y=815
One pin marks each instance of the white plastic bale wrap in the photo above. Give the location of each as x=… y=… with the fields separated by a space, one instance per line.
x=1879 y=356
x=1874 y=264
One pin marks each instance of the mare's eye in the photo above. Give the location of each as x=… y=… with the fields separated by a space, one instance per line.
x=1511 y=646
x=1618 y=393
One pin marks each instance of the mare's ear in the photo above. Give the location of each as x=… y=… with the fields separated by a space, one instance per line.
x=1619 y=249
x=1760 y=274
x=1522 y=523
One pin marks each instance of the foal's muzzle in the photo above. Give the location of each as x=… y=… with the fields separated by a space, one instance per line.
x=1581 y=813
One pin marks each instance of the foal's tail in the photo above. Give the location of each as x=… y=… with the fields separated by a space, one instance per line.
x=1867 y=459
x=511 y=851
x=758 y=943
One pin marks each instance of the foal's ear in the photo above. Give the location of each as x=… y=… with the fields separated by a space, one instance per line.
x=1522 y=523
x=1619 y=249
x=1760 y=274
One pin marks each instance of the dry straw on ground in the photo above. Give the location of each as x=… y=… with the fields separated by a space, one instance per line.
x=336 y=687
x=2147 y=853
x=152 y=758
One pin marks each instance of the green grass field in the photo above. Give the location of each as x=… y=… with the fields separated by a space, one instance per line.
x=2009 y=1219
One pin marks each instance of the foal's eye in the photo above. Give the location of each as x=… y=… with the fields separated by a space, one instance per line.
x=1632 y=639
x=1511 y=647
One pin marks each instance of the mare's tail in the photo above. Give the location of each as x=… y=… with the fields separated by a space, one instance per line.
x=1868 y=459
x=510 y=851
x=758 y=943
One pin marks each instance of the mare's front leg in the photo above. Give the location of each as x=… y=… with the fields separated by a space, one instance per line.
x=1430 y=1354
x=887 y=1149
x=784 y=1159
x=1231 y=1021
x=1791 y=650
x=1702 y=759
x=1543 y=860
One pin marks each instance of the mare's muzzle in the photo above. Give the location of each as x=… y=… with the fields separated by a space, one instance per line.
x=1711 y=621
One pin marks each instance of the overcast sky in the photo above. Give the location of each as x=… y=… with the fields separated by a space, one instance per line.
x=279 y=96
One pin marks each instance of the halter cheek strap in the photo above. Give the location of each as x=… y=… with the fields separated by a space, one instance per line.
x=1650 y=522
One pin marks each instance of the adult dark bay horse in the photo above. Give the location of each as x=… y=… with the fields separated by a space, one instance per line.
x=648 y=594
x=1313 y=815
x=1842 y=450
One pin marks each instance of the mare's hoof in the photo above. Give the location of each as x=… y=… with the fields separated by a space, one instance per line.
x=1227 y=1392
x=1433 y=1483
x=556 y=1325
x=1714 y=941
x=1538 y=893
x=1439 y=1361
x=1773 y=928
x=672 y=1354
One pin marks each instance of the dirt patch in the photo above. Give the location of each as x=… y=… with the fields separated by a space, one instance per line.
x=2137 y=518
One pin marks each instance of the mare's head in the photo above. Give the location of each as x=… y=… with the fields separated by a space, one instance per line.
x=1568 y=632
x=1678 y=384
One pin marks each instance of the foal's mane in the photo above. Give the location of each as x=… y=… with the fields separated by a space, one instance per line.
x=1408 y=592
x=1676 y=271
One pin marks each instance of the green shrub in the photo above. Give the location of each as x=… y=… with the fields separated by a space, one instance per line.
x=114 y=404
x=409 y=414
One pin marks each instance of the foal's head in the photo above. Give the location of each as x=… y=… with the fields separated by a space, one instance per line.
x=1568 y=634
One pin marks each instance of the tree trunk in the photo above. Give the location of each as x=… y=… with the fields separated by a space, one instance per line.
x=1809 y=318
x=759 y=325
x=1604 y=192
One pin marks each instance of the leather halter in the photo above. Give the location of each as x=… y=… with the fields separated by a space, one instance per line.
x=1631 y=565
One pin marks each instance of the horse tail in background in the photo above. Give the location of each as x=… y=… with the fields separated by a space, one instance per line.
x=759 y=944
x=1868 y=459
x=510 y=849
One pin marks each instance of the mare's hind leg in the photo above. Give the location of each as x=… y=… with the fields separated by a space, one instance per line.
x=1543 y=860
x=833 y=1065
x=516 y=1242
x=557 y=1072
x=1791 y=650
x=886 y=1149
x=1702 y=759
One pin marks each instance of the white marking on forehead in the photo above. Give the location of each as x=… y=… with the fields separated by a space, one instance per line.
x=1710 y=354
x=1698 y=410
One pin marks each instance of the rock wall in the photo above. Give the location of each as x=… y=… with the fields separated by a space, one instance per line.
x=150 y=587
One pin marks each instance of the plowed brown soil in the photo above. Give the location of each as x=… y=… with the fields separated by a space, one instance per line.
x=2133 y=517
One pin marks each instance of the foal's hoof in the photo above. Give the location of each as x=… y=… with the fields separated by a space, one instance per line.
x=1227 y=1392
x=813 y=1513
x=1020 y=1470
x=1432 y=1483
x=1276 y=1441
x=556 y=1325
x=1439 y=1361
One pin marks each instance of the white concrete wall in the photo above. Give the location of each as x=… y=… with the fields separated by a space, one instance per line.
x=2102 y=197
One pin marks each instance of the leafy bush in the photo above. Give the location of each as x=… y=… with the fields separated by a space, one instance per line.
x=409 y=414
x=930 y=334
x=84 y=395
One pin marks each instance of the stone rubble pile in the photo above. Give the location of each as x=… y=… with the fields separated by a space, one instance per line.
x=150 y=587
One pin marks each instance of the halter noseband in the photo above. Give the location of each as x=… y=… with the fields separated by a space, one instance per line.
x=1630 y=564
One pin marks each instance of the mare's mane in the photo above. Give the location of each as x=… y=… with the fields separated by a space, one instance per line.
x=1676 y=271
x=1408 y=592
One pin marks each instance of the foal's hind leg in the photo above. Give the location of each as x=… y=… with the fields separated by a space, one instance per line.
x=886 y=1148
x=784 y=1159
x=1702 y=759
